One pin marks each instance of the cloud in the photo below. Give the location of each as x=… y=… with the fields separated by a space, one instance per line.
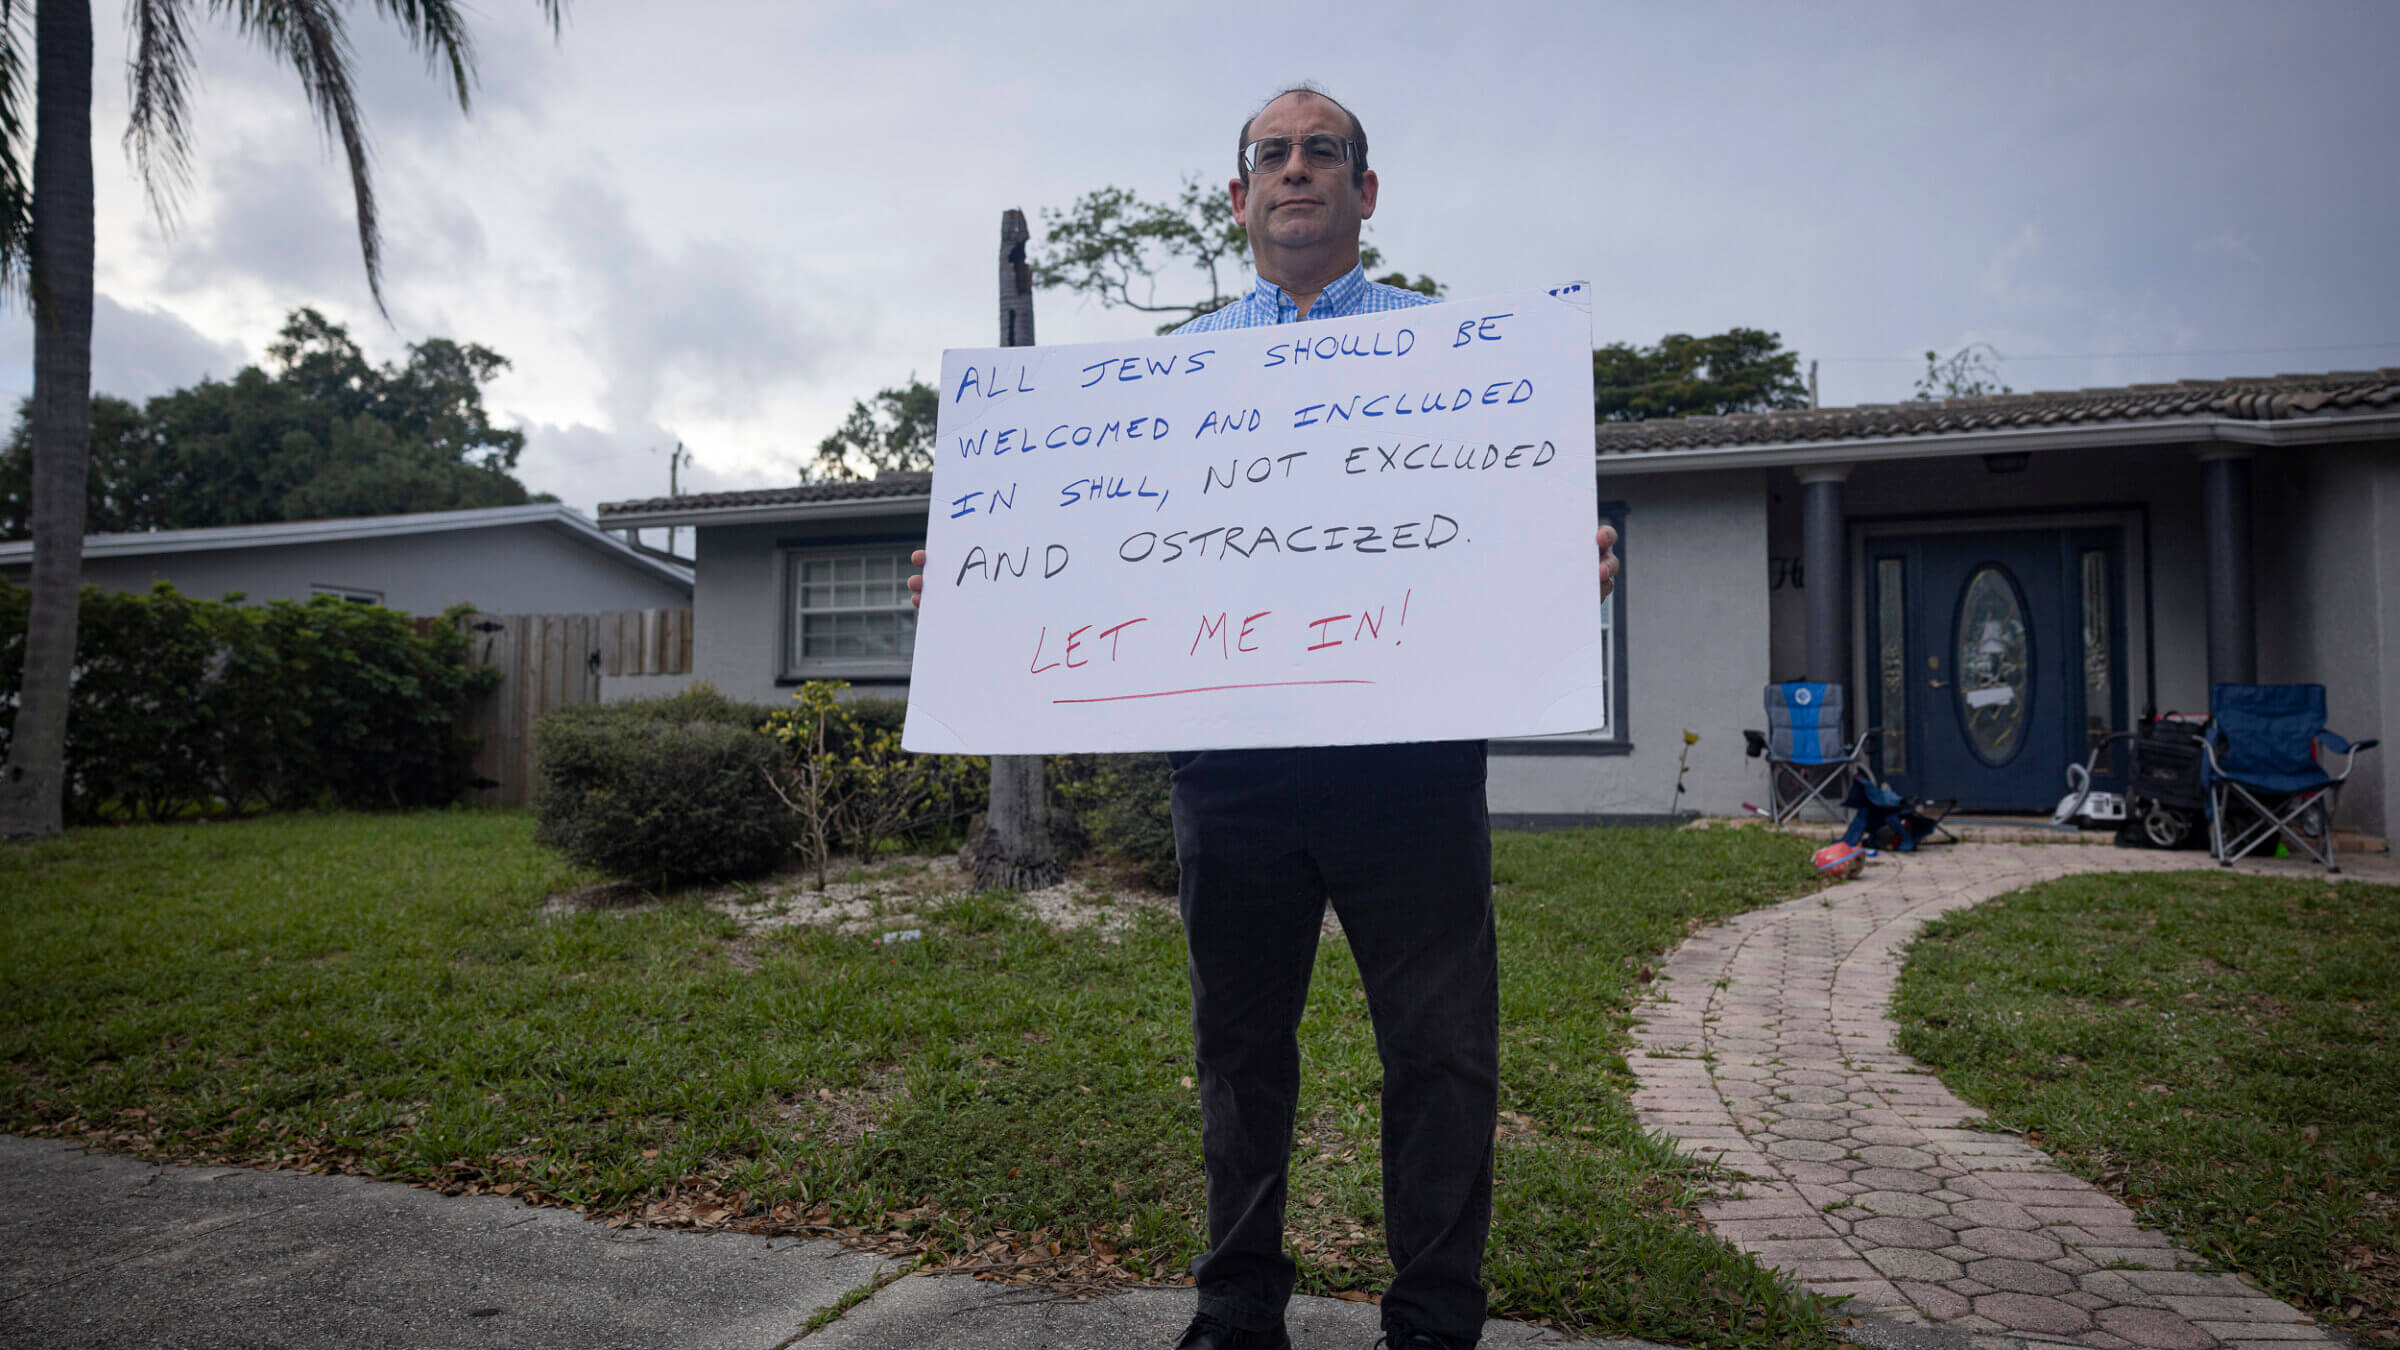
x=585 y=465
x=140 y=352
x=271 y=217
x=136 y=353
x=2005 y=277
x=401 y=95
x=711 y=329
x=728 y=230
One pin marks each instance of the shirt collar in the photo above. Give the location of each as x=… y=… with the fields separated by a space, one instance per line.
x=1338 y=300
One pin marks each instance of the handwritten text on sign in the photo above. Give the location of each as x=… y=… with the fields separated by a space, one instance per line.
x=1340 y=532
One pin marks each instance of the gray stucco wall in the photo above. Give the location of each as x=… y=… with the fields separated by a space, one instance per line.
x=735 y=595
x=2327 y=545
x=625 y=688
x=737 y=604
x=514 y=569
x=1695 y=640
x=2385 y=570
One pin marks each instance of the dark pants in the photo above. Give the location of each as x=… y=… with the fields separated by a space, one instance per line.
x=1397 y=837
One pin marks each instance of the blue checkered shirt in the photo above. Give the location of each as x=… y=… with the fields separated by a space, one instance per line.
x=1266 y=304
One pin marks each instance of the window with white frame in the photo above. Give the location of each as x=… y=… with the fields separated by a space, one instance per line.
x=847 y=612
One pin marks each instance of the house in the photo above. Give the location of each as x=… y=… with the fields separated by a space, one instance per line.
x=543 y=558
x=1997 y=581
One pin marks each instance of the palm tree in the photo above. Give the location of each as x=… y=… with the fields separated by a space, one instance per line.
x=46 y=258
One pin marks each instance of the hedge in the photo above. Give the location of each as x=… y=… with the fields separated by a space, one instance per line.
x=185 y=706
x=660 y=800
x=1119 y=806
x=698 y=787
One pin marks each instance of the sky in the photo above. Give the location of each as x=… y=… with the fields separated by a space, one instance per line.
x=720 y=222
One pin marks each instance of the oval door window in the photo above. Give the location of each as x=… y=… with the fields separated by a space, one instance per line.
x=1995 y=665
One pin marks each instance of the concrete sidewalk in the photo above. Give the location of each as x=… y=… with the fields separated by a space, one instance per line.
x=102 y=1251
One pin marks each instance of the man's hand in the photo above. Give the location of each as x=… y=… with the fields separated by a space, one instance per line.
x=916 y=583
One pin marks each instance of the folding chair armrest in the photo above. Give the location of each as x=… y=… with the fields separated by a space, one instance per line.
x=1757 y=743
x=2208 y=752
x=2347 y=749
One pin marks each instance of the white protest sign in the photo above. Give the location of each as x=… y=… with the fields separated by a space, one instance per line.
x=1342 y=532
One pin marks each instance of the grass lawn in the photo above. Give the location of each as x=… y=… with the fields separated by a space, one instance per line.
x=2222 y=1052
x=381 y=994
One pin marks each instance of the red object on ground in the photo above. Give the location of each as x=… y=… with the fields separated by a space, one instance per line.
x=1841 y=860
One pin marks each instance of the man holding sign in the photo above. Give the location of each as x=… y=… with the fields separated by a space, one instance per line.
x=1396 y=836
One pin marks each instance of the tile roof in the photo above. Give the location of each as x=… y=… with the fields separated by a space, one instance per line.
x=2256 y=400
x=887 y=485
x=2262 y=399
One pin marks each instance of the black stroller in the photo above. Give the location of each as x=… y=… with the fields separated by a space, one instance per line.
x=2165 y=799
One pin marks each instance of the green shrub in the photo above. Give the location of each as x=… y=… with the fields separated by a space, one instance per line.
x=697 y=786
x=143 y=722
x=1119 y=803
x=701 y=702
x=348 y=704
x=658 y=800
x=854 y=788
x=183 y=705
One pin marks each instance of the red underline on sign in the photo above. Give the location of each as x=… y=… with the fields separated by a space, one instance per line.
x=1206 y=689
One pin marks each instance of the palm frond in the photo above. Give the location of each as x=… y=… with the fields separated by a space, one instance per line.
x=309 y=35
x=439 y=30
x=16 y=154
x=158 y=133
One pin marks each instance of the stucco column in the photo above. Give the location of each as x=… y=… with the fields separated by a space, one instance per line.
x=2232 y=609
x=1825 y=571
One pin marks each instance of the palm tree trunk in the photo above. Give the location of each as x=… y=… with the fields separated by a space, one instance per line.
x=1016 y=849
x=32 y=788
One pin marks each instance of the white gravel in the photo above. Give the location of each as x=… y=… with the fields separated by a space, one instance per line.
x=889 y=895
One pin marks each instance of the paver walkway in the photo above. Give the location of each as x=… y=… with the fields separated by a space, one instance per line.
x=1768 y=1047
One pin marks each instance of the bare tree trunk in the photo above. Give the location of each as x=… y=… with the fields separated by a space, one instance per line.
x=33 y=785
x=1015 y=849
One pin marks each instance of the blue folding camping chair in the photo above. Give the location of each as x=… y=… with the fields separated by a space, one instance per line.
x=2265 y=780
x=1807 y=759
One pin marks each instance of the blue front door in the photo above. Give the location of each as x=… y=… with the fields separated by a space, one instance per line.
x=1995 y=660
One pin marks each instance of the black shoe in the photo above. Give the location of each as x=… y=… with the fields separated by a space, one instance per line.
x=1401 y=1336
x=1207 y=1333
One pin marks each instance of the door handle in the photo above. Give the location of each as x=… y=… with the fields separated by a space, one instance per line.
x=1937 y=684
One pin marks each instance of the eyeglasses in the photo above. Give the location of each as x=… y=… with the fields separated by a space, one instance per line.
x=1321 y=151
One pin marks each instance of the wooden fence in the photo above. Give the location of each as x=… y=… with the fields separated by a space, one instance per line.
x=551 y=660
